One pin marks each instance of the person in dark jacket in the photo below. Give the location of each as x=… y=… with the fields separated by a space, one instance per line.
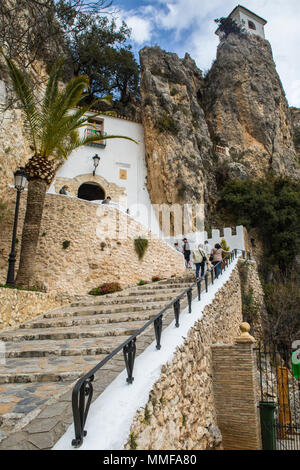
x=187 y=253
x=63 y=190
x=106 y=200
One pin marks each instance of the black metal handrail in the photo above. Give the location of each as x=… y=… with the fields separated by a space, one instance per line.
x=83 y=390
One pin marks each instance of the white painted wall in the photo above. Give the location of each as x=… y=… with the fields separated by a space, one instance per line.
x=234 y=241
x=242 y=18
x=118 y=154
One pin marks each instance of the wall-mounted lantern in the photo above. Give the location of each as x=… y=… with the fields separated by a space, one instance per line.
x=96 y=159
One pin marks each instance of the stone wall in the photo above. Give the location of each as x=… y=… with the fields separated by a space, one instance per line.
x=101 y=247
x=180 y=413
x=235 y=392
x=18 y=306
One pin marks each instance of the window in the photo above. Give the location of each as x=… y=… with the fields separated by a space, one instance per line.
x=251 y=25
x=95 y=127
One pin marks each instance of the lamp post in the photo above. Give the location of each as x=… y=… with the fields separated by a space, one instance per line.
x=96 y=159
x=20 y=182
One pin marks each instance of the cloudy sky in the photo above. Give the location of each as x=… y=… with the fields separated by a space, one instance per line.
x=188 y=26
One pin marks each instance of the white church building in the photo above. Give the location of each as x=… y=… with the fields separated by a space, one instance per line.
x=120 y=173
x=252 y=23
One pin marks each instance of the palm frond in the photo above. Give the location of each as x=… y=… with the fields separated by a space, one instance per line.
x=50 y=97
x=61 y=109
x=66 y=148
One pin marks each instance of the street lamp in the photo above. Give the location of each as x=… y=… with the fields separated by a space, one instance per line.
x=96 y=159
x=20 y=182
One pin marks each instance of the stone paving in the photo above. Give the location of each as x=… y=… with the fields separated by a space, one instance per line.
x=46 y=356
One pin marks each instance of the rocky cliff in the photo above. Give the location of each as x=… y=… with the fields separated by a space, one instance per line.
x=235 y=122
x=246 y=108
x=178 y=144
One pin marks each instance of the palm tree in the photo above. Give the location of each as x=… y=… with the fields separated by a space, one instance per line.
x=51 y=126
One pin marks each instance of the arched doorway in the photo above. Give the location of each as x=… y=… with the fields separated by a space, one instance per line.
x=91 y=192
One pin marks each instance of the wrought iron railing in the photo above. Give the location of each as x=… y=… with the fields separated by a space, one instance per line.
x=83 y=390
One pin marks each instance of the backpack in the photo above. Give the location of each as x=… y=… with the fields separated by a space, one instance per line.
x=197 y=256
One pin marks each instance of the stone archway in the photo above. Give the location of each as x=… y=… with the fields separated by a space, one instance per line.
x=91 y=191
x=110 y=189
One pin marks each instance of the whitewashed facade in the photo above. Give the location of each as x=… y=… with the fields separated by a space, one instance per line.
x=248 y=20
x=121 y=173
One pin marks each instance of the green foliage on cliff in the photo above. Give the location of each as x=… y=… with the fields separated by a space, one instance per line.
x=165 y=123
x=97 y=52
x=228 y=26
x=140 y=246
x=271 y=205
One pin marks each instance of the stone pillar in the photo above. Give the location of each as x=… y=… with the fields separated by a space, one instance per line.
x=235 y=392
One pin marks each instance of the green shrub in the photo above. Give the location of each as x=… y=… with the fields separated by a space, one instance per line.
x=31 y=289
x=272 y=205
x=165 y=123
x=156 y=278
x=225 y=247
x=132 y=441
x=107 y=288
x=66 y=244
x=142 y=283
x=141 y=245
x=229 y=25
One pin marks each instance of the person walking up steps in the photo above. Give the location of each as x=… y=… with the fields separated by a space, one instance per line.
x=199 y=258
x=187 y=253
x=216 y=257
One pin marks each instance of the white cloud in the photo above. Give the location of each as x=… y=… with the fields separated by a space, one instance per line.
x=188 y=26
x=141 y=28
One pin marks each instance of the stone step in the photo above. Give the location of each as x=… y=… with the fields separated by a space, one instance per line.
x=19 y=399
x=71 y=347
x=46 y=369
x=170 y=291
x=132 y=298
x=77 y=320
x=128 y=328
x=95 y=309
x=46 y=355
x=150 y=289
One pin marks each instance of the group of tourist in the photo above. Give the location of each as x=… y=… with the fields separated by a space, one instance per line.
x=203 y=257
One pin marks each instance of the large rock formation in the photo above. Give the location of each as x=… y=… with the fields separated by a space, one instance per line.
x=189 y=121
x=246 y=108
x=178 y=145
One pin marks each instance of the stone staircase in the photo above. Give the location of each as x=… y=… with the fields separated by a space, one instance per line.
x=45 y=357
